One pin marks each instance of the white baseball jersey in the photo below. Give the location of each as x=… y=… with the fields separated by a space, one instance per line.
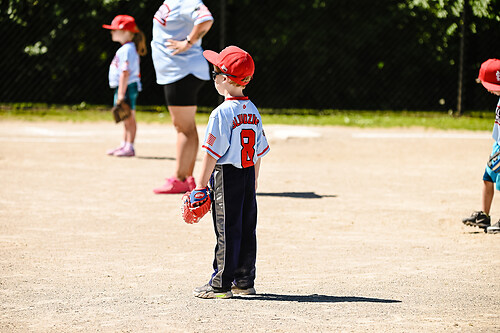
x=496 y=126
x=175 y=19
x=234 y=133
x=126 y=59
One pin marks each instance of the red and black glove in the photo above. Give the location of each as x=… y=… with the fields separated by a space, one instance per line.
x=195 y=205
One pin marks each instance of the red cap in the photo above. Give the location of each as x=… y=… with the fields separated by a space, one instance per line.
x=122 y=22
x=489 y=74
x=233 y=61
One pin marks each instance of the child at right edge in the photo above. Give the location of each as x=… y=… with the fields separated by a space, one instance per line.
x=489 y=77
x=234 y=145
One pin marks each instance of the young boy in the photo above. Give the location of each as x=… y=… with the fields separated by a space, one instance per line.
x=234 y=143
x=489 y=76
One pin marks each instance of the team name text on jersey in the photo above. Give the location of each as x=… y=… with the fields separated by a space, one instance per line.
x=245 y=118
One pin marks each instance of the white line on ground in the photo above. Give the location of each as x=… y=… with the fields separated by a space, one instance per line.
x=37 y=134
x=421 y=135
x=294 y=132
x=71 y=140
x=47 y=132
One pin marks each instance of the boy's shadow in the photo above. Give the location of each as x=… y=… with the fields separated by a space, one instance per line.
x=315 y=298
x=297 y=195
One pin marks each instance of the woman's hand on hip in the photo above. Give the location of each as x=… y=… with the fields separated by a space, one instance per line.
x=178 y=46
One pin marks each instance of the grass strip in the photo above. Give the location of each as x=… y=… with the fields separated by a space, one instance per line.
x=474 y=120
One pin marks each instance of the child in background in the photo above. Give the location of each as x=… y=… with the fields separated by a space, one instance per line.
x=489 y=77
x=234 y=144
x=125 y=76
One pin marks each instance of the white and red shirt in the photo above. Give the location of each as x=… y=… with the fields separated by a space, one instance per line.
x=126 y=59
x=496 y=126
x=175 y=19
x=234 y=133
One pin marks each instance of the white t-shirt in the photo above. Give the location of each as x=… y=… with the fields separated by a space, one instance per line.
x=175 y=19
x=126 y=59
x=496 y=126
x=234 y=133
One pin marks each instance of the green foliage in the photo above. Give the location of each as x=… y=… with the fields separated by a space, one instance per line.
x=445 y=8
x=320 y=54
x=448 y=11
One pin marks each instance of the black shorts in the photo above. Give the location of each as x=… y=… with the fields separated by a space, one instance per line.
x=183 y=92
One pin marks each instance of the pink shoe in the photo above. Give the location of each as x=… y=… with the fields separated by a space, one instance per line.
x=191 y=183
x=174 y=185
x=114 y=150
x=125 y=152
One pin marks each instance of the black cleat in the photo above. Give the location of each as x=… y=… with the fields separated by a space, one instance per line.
x=478 y=219
x=494 y=229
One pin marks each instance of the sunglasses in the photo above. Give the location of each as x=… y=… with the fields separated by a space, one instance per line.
x=214 y=74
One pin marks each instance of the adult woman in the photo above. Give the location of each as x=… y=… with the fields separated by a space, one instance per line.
x=178 y=27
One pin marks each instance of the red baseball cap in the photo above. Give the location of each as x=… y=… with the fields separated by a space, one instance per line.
x=233 y=61
x=122 y=22
x=489 y=74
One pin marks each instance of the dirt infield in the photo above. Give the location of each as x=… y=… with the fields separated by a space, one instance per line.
x=359 y=230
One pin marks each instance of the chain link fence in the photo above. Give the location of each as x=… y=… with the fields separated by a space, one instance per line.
x=351 y=55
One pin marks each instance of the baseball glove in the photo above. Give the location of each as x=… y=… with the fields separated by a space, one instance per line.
x=195 y=205
x=121 y=111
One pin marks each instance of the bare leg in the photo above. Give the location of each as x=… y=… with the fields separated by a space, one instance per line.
x=130 y=128
x=488 y=193
x=187 y=139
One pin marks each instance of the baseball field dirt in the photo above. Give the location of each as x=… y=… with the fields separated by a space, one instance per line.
x=359 y=231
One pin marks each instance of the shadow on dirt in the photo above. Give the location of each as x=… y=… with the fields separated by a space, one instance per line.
x=315 y=298
x=156 y=158
x=297 y=195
